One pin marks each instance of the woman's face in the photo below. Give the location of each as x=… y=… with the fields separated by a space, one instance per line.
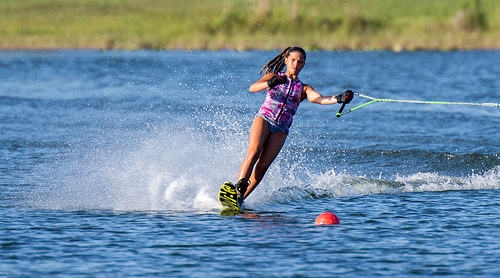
x=294 y=63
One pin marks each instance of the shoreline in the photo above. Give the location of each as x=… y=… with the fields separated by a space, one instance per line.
x=241 y=50
x=373 y=42
x=240 y=25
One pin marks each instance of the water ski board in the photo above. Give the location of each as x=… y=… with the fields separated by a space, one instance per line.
x=228 y=198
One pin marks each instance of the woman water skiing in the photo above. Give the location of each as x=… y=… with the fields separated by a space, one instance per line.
x=270 y=127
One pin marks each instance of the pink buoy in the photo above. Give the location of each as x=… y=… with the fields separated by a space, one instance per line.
x=327 y=218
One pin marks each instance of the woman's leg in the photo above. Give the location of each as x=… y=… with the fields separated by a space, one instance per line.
x=269 y=152
x=257 y=138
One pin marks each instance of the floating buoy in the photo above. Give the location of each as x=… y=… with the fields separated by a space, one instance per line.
x=327 y=218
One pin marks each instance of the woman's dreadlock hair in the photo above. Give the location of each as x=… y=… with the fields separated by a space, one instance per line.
x=278 y=63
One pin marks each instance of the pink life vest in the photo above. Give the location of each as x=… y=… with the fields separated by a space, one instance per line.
x=282 y=102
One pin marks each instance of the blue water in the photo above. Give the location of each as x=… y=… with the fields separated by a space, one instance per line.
x=110 y=164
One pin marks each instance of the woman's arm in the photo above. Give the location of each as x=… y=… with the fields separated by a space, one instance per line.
x=262 y=83
x=316 y=97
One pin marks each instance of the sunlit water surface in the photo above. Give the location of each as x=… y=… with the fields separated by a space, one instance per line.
x=110 y=164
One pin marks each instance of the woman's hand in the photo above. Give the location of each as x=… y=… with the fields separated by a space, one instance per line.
x=262 y=84
x=276 y=80
x=345 y=97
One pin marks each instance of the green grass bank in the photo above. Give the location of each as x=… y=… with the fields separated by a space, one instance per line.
x=250 y=24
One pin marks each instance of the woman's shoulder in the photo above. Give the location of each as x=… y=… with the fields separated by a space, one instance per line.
x=305 y=87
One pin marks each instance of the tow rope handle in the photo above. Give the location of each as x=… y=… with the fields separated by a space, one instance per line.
x=341 y=109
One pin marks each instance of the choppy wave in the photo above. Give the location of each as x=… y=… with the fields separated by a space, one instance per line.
x=338 y=185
